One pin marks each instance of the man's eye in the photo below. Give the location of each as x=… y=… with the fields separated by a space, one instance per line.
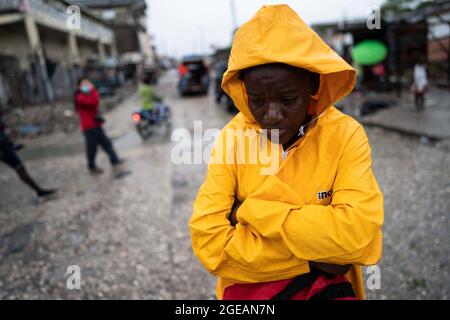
x=256 y=102
x=288 y=100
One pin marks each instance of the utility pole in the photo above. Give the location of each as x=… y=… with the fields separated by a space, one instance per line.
x=201 y=34
x=233 y=15
x=38 y=54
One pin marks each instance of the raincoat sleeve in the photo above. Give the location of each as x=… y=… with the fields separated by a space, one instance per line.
x=348 y=231
x=238 y=253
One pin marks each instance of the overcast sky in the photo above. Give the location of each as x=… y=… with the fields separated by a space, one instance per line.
x=195 y=26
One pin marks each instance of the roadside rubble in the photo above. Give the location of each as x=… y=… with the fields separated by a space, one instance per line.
x=29 y=122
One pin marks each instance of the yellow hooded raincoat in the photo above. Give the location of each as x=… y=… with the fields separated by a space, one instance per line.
x=321 y=204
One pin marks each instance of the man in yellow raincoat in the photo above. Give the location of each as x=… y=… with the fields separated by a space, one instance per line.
x=321 y=207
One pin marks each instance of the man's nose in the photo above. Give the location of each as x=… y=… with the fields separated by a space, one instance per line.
x=273 y=114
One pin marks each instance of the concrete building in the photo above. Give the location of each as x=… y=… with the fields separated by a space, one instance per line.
x=409 y=37
x=43 y=47
x=127 y=18
x=438 y=19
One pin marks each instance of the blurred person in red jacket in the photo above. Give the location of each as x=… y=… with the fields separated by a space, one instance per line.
x=87 y=106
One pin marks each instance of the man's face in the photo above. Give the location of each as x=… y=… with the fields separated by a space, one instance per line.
x=87 y=83
x=278 y=96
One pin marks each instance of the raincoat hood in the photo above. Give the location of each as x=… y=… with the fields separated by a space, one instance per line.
x=276 y=34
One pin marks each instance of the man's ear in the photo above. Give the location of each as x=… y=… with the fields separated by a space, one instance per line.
x=315 y=79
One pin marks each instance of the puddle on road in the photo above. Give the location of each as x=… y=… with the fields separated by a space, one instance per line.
x=54 y=151
x=132 y=139
x=179 y=185
x=129 y=140
x=179 y=182
x=19 y=238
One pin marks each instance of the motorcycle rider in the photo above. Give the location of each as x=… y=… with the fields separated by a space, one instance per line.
x=148 y=96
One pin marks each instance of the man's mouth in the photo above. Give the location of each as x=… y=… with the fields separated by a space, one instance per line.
x=280 y=131
x=283 y=131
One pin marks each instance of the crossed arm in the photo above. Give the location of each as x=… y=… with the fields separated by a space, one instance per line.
x=334 y=269
x=247 y=244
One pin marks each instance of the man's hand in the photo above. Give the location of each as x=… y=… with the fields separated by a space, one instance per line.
x=333 y=269
x=232 y=216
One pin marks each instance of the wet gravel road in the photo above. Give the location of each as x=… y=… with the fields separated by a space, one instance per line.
x=130 y=237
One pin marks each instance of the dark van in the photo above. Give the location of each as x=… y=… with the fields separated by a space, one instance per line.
x=194 y=76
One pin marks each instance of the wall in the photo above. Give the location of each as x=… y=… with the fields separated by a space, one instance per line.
x=14 y=42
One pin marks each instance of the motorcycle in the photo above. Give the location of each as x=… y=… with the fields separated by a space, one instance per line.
x=149 y=122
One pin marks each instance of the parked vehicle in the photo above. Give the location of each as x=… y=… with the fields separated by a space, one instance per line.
x=106 y=76
x=148 y=122
x=152 y=72
x=194 y=76
x=220 y=95
x=229 y=103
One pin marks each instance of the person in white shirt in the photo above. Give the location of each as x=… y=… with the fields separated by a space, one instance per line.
x=420 y=84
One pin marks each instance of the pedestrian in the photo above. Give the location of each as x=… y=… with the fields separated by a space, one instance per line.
x=9 y=156
x=420 y=84
x=359 y=69
x=304 y=230
x=87 y=101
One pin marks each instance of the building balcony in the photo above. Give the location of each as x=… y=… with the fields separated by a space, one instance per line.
x=53 y=15
x=9 y=5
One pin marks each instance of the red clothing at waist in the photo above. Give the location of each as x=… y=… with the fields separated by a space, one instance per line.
x=87 y=107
